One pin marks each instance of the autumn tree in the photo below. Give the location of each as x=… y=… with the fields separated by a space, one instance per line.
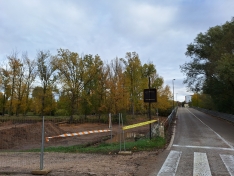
x=46 y=75
x=116 y=86
x=70 y=69
x=92 y=96
x=30 y=75
x=20 y=87
x=15 y=76
x=133 y=75
x=18 y=77
x=49 y=101
x=63 y=107
x=163 y=93
x=5 y=86
x=164 y=102
x=102 y=91
x=75 y=74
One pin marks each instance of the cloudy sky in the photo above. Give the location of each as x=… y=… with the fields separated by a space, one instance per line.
x=158 y=30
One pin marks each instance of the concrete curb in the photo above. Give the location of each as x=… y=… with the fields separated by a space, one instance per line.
x=40 y=172
x=172 y=137
x=125 y=153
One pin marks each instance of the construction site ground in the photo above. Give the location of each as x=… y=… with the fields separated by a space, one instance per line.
x=15 y=138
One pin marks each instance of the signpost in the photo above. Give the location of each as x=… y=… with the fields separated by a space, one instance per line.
x=150 y=95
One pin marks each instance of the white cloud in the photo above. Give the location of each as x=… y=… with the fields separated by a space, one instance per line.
x=158 y=31
x=141 y=20
x=147 y=18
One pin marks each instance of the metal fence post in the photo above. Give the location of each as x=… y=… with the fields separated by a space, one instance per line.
x=42 y=144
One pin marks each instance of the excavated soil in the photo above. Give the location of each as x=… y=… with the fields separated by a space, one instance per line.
x=17 y=137
x=29 y=136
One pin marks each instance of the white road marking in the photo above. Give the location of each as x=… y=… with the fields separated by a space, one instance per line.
x=170 y=165
x=172 y=137
x=201 y=165
x=228 y=161
x=203 y=147
x=213 y=131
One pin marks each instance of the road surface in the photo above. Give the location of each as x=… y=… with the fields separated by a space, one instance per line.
x=202 y=145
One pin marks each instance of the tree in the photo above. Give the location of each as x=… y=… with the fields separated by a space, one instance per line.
x=93 y=71
x=15 y=74
x=163 y=93
x=210 y=70
x=46 y=75
x=202 y=101
x=20 y=87
x=18 y=76
x=164 y=96
x=100 y=91
x=70 y=69
x=30 y=75
x=75 y=74
x=133 y=75
x=117 y=87
x=37 y=95
x=5 y=86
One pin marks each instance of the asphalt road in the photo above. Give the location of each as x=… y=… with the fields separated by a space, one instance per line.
x=202 y=145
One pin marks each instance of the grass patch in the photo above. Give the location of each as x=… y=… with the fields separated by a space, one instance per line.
x=104 y=148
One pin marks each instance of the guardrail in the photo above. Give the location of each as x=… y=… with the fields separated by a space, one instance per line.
x=170 y=117
x=159 y=129
x=228 y=117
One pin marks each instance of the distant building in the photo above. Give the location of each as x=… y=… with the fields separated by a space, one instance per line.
x=188 y=98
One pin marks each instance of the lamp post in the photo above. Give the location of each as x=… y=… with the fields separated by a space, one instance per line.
x=173 y=92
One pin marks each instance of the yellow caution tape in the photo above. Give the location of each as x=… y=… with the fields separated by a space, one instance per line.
x=138 y=124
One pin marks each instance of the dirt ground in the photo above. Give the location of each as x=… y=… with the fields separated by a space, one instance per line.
x=16 y=137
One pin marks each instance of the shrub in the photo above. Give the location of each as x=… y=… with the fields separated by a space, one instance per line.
x=61 y=112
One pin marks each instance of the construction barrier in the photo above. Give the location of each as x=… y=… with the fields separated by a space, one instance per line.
x=77 y=134
x=138 y=124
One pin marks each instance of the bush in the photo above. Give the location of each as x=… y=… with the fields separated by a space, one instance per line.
x=61 y=112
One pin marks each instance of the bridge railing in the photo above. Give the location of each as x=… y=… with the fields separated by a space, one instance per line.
x=160 y=128
x=228 y=117
x=170 y=117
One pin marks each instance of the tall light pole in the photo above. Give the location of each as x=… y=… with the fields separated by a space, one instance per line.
x=173 y=92
x=176 y=100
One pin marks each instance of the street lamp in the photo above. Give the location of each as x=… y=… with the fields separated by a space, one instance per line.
x=173 y=91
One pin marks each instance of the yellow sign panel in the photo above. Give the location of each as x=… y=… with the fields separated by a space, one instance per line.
x=138 y=124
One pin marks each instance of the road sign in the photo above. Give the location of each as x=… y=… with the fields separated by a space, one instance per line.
x=150 y=95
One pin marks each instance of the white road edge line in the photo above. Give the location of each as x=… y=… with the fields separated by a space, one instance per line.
x=172 y=137
x=213 y=131
x=170 y=165
x=203 y=147
x=201 y=164
x=228 y=161
x=173 y=134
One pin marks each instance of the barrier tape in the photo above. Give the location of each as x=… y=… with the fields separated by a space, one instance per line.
x=138 y=124
x=76 y=134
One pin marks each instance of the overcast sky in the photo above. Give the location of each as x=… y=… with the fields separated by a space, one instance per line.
x=158 y=30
